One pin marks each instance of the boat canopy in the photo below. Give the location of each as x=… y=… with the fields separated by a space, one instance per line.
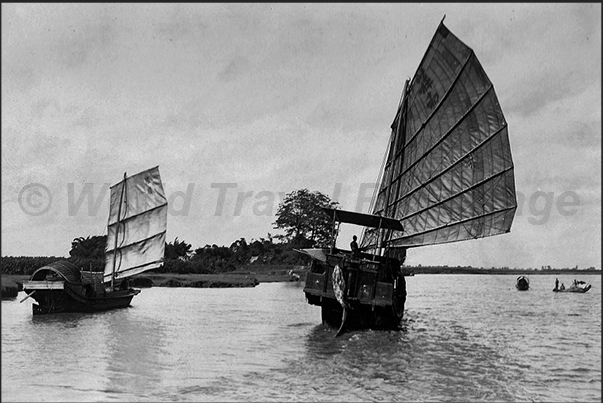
x=63 y=268
x=366 y=220
x=319 y=254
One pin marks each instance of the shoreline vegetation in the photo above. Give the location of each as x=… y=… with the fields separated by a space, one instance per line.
x=252 y=275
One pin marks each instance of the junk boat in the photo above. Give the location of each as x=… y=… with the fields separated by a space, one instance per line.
x=135 y=243
x=447 y=176
x=577 y=286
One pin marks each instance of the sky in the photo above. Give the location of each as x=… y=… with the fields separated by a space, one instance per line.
x=240 y=104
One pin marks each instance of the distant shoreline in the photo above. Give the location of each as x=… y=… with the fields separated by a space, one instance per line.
x=470 y=270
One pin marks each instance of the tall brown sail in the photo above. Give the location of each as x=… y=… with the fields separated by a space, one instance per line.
x=448 y=174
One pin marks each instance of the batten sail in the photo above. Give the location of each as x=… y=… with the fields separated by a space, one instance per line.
x=137 y=226
x=448 y=174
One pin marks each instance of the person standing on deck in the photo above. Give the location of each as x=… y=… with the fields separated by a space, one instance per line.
x=556 y=284
x=354 y=246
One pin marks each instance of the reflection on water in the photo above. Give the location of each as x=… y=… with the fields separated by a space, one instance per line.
x=130 y=351
x=463 y=338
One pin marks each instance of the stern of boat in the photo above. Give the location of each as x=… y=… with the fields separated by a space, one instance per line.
x=375 y=291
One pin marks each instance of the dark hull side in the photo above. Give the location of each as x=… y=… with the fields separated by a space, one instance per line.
x=574 y=289
x=359 y=316
x=62 y=287
x=375 y=294
x=522 y=284
x=70 y=300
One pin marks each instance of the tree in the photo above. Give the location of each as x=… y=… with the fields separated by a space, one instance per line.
x=89 y=247
x=240 y=251
x=177 y=250
x=301 y=216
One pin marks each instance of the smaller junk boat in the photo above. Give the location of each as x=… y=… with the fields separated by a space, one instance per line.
x=577 y=286
x=135 y=243
x=523 y=283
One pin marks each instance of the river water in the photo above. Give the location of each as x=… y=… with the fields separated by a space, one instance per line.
x=464 y=338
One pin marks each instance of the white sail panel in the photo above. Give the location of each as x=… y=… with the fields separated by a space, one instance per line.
x=449 y=174
x=143 y=192
x=137 y=258
x=137 y=226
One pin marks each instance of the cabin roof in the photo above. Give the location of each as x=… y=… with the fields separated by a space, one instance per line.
x=366 y=220
x=67 y=270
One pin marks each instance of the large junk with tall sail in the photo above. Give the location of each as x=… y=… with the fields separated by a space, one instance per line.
x=136 y=231
x=447 y=177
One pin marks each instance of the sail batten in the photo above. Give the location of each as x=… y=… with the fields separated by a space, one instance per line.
x=124 y=245
x=411 y=241
x=449 y=173
x=451 y=130
x=450 y=167
x=136 y=215
x=408 y=216
x=137 y=229
x=441 y=101
x=137 y=226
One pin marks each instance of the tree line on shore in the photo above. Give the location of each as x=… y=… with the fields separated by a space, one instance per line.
x=88 y=253
x=299 y=216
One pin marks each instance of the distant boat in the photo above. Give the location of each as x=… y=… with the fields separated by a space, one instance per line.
x=135 y=243
x=447 y=177
x=523 y=283
x=577 y=286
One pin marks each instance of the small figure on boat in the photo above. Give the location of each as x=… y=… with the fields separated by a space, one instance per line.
x=354 y=246
x=556 y=284
x=562 y=286
x=125 y=284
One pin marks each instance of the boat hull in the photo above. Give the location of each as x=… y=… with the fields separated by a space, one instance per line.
x=68 y=300
x=372 y=298
x=63 y=287
x=360 y=316
x=574 y=289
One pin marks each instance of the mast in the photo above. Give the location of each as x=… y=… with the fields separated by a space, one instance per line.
x=121 y=197
x=387 y=173
x=398 y=149
x=394 y=151
x=333 y=237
